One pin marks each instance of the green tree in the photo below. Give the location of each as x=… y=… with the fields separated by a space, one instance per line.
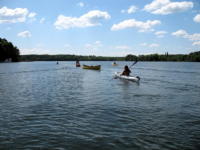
x=8 y=50
x=131 y=57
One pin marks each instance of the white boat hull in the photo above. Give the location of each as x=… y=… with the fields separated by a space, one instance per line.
x=129 y=78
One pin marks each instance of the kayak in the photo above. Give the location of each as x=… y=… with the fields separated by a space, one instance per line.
x=129 y=78
x=98 y=67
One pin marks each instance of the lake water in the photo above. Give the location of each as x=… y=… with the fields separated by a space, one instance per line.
x=49 y=106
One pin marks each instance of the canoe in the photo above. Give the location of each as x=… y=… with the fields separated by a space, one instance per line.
x=98 y=67
x=78 y=65
x=128 y=78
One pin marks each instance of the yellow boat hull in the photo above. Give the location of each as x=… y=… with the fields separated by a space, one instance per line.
x=92 y=67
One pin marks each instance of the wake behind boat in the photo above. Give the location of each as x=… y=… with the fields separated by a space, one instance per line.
x=128 y=78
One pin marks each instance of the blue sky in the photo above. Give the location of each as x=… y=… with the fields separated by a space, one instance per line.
x=101 y=27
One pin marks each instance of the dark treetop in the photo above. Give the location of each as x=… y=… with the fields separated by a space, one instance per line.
x=8 y=51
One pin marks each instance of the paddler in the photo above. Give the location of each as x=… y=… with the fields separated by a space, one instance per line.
x=126 y=71
x=77 y=63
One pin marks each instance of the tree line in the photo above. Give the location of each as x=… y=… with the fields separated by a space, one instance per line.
x=8 y=51
x=68 y=58
x=192 y=57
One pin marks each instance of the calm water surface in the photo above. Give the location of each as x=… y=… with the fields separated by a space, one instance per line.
x=49 y=106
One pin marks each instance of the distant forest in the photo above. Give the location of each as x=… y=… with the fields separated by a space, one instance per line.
x=9 y=52
x=193 y=57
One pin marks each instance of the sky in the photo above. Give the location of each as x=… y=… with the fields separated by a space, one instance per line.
x=101 y=27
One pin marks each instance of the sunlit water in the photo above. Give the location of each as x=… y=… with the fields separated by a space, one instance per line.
x=49 y=106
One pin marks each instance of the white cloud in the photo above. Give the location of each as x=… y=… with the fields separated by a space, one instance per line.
x=81 y=4
x=143 y=44
x=36 y=50
x=24 y=34
x=180 y=33
x=92 y=18
x=98 y=43
x=16 y=15
x=67 y=46
x=154 y=45
x=123 y=47
x=164 y=7
x=150 y=45
x=13 y=15
x=132 y=23
x=32 y=15
x=123 y=11
x=184 y=34
x=42 y=20
x=93 y=46
x=160 y=34
x=130 y=10
x=197 y=18
x=196 y=43
x=194 y=37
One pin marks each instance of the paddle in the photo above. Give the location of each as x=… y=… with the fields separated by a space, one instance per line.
x=133 y=64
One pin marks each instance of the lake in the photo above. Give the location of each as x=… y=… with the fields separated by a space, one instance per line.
x=49 y=106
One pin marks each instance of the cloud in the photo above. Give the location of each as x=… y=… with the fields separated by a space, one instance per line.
x=154 y=45
x=36 y=50
x=81 y=4
x=164 y=7
x=130 y=10
x=92 y=18
x=143 y=44
x=150 y=45
x=196 y=43
x=67 y=46
x=13 y=15
x=42 y=20
x=32 y=15
x=94 y=46
x=180 y=33
x=197 y=18
x=194 y=37
x=16 y=15
x=132 y=23
x=24 y=34
x=160 y=34
x=184 y=34
x=123 y=47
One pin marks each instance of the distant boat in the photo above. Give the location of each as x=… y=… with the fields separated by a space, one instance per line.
x=98 y=67
x=114 y=64
x=77 y=64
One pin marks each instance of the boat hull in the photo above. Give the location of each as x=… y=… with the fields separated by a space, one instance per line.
x=128 y=78
x=98 y=67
